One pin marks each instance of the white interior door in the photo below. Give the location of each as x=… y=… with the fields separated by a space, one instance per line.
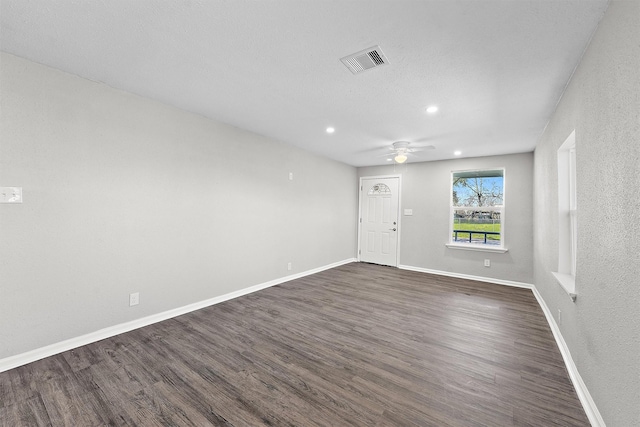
x=379 y=220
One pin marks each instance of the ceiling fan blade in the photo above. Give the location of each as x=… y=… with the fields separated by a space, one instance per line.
x=389 y=154
x=420 y=148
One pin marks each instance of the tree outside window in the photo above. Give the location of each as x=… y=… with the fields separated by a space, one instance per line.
x=477 y=207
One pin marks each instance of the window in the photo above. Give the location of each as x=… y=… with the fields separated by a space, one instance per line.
x=567 y=216
x=379 y=189
x=477 y=210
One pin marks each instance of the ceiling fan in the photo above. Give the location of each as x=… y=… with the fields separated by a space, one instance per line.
x=401 y=150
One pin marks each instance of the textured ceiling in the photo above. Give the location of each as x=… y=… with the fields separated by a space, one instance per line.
x=496 y=69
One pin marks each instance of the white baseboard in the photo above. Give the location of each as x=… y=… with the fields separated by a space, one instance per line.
x=581 y=389
x=469 y=277
x=50 y=350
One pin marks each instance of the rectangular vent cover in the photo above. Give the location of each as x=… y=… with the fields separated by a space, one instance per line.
x=365 y=60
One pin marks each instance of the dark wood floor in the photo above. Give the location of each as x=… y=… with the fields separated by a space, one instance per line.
x=359 y=345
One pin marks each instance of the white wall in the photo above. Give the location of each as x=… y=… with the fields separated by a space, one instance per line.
x=125 y=194
x=426 y=190
x=602 y=104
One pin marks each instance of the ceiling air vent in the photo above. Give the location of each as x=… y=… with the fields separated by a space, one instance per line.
x=365 y=60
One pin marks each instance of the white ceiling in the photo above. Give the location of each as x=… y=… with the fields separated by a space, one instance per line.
x=496 y=69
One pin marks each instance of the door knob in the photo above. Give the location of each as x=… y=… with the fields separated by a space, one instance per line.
x=392 y=229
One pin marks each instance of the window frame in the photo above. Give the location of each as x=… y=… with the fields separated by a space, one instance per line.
x=567 y=216
x=451 y=243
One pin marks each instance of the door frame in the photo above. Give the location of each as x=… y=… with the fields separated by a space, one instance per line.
x=359 y=219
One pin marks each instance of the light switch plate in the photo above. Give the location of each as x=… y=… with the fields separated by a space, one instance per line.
x=408 y=212
x=10 y=194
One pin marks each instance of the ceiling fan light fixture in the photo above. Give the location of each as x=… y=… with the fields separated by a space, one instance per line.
x=400 y=158
x=432 y=109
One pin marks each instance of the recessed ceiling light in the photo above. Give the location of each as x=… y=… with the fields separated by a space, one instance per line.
x=330 y=130
x=457 y=153
x=432 y=109
x=388 y=160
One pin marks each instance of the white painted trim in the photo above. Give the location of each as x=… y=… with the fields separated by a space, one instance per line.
x=469 y=277
x=568 y=283
x=478 y=247
x=56 y=348
x=581 y=389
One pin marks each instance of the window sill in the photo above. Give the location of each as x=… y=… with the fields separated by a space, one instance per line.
x=479 y=248
x=568 y=283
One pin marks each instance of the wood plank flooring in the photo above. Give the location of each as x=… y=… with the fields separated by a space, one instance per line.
x=358 y=345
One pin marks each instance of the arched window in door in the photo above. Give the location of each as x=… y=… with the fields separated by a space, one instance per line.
x=379 y=189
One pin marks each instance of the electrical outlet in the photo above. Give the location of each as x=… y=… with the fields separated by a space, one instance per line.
x=289 y=266
x=134 y=299
x=559 y=317
x=487 y=263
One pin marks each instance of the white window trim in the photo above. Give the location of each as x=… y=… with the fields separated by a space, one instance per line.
x=479 y=247
x=567 y=217
x=567 y=282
